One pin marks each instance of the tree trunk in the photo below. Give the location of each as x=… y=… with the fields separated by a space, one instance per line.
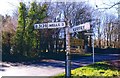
x=99 y=38
x=64 y=41
x=56 y=43
x=107 y=40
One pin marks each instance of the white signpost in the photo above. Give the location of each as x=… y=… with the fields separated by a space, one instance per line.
x=81 y=27
x=49 y=25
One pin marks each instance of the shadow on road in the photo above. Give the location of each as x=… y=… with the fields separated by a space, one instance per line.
x=81 y=61
x=2 y=69
x=3 y=66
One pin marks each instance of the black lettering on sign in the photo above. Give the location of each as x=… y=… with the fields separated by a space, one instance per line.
x=82 y=27
x=58 y=24
x=76 y=29
x=40 y=25
x=44 y=25
x=50 y=25
x=55 y=25
x=35 y=26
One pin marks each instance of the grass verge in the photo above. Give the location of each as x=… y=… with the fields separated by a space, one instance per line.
x=97 y=70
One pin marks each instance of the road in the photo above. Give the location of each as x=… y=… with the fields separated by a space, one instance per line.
x=49 y=67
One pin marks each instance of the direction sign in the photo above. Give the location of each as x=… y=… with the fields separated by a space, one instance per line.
x=76 y=42
x=50 y=25
x=81 y=27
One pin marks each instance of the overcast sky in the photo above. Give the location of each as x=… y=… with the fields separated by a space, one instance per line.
x=8 y=6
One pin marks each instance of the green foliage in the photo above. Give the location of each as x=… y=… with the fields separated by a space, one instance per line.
x=25 y=40
x=19 y=41
x=87 y=54
x=99 y=69
x=36 y=14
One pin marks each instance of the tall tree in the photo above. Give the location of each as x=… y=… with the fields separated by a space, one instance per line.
x=36 y=14
x=20 y=33
x=8 y=32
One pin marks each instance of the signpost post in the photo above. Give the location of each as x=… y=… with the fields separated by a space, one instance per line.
x=68 y=61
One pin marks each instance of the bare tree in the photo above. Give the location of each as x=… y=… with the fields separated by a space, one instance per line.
x=8 y=31
x=74 y=13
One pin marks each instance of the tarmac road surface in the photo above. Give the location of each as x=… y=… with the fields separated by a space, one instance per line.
x=49 y=67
